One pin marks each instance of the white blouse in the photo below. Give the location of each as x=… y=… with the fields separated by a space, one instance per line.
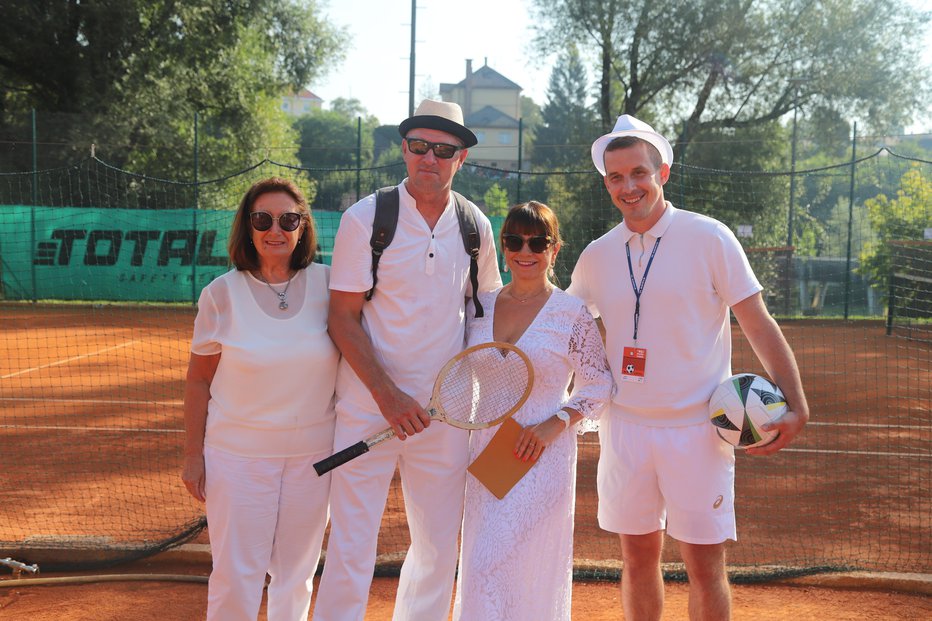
x=272 y=394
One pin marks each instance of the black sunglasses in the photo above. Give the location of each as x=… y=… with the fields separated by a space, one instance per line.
x=262 y=220
x=441 y=150
x=515 y=243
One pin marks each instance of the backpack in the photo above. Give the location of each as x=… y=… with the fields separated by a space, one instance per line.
x=383 y=231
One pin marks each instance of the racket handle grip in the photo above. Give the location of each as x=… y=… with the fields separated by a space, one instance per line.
x=338 y=459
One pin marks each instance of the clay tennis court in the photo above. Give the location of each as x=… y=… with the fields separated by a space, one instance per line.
x=91 y=429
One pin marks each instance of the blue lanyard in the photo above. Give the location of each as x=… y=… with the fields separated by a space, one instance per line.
x=639 y=291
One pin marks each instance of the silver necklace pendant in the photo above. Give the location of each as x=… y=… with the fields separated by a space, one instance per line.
x=282 y=304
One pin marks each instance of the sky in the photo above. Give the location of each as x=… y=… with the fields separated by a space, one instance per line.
x=376 y=69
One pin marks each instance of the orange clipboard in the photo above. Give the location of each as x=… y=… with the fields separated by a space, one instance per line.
x=496 y=467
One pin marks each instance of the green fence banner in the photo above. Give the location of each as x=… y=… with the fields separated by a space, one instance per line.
x=69 y=253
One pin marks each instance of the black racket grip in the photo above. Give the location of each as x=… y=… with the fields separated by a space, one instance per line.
x=338 y=459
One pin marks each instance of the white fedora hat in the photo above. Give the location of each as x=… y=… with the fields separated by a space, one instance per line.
x=627 y=125
x=442 y=115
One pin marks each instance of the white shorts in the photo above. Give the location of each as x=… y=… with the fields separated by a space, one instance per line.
x=681 y=479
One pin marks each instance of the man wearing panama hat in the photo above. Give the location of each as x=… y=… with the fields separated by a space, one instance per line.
x=393 y=345
x=668 y=338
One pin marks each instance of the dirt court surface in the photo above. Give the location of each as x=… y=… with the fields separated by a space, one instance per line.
x=592 y=601
x=95 y=462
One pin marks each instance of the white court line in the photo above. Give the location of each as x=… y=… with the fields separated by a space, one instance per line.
x=831 y=424
x=868 y=425
x=869 y=453
x=786 y=450
x=68 y=428
x=837 y=452
x=91 y=401
x=67 y=360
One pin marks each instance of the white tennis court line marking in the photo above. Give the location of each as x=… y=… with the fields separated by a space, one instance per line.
x=869 y=425
x=67 y=360
x=827 y=424
x=69 y=428
x=786 y=450
x=837 y=452
x=868 y=453
x=91 y=401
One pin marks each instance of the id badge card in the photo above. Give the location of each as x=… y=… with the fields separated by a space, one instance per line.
x=633 y=364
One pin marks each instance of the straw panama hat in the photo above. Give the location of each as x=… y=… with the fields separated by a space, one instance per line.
x=627 y=125
x=442 y=115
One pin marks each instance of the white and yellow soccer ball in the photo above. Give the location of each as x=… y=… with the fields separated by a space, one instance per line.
x=741 y=405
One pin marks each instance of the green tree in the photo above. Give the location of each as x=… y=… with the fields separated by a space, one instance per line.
x=329 y=140
x=562 y=141
x=747 y=196
x=496 y=201
x=531 y=120
x=696 y=65
x=352 y=108
x=899 y=219
x=137 y=71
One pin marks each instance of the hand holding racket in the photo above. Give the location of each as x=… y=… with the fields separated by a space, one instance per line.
x=479 y=387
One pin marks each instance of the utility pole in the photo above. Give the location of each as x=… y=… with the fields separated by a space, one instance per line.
x=411 y=70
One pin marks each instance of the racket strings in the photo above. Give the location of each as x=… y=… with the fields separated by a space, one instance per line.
x=484 y=386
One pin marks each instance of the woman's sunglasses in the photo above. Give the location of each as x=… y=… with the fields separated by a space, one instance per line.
x=441 y=150
x=514 y=243
x=262 y=220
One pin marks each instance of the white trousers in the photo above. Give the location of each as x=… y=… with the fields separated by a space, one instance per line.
x=264 y=515
x=433 y=476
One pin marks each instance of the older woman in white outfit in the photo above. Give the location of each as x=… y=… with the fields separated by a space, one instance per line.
x=258 y=409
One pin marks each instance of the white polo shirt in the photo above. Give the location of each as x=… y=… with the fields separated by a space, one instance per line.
x=416 y=319
x=698 y=272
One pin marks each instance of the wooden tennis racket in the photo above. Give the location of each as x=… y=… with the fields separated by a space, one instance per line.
x=479 y=387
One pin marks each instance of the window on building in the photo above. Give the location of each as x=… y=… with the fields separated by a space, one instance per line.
x=504 y=138
x=480 y=135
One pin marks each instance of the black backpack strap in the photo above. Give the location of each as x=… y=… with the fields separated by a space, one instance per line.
x=470 y=233
x=383 y=228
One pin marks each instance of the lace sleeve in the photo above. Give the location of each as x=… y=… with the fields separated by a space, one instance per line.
x=593 y=385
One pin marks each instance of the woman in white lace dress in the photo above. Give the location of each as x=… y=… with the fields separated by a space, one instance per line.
x=517 y=553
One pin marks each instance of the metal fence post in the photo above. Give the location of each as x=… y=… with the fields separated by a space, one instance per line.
x=194 y=211
x=791 y=208
x=854 y=145
x=358 y=156
x=520 y=155
x=35 y=199
x=682 y=204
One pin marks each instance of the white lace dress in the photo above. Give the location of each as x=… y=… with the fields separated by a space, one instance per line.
x=517 y=553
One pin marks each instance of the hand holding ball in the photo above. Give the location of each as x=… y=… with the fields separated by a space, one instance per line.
x=741 y=405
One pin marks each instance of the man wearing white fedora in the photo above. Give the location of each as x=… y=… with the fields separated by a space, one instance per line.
x=393 y=345
x=668 y=339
